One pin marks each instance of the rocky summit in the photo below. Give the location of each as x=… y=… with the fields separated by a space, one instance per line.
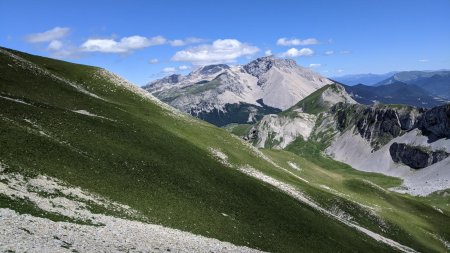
x=222 y=94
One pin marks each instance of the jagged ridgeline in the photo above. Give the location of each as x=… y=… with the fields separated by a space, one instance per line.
x=417 y=88
x=90 y=162
x=397 y=140
x=222 y=94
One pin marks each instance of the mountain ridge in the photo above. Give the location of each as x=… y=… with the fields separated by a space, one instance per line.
x=435 y=82
x=276 y=83
x=359 y=134
x=394 y=93
x=367 y=79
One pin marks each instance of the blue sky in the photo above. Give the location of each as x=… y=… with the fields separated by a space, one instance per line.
x=144 y=40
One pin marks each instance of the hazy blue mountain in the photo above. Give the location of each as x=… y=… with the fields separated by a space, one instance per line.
x=367 y=79
x=394 y=93
x=435 y=82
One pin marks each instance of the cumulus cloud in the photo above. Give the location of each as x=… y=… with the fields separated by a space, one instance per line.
x=183 y=67
x=55 y=45
x=169 y=70
x=52 y=34
x=314 y=65
x=294 y=52
x=296 y=42
x=329 y=52
x=340 y=70
x=268 y=52
x=346 y=52
x=124 y=45
x=187 y=41
x=423 y=60
x=222 y=50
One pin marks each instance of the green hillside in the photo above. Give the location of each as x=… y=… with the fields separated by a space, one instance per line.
x=86 y=127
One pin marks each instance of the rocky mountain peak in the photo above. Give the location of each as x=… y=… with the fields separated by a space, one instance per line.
x=264 y=64
x=212 y=69
x=168 y=80
x=175 y=78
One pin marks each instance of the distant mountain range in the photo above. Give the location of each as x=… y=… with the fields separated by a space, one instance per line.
x=222 y=94
x=435 y=82
x=367 y=79
x=417 y=88
x=394 y=93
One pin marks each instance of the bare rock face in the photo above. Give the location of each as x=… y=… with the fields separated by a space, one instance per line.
x=261 y=65
x=377 y=124
x=416 y=157
x=435 y=123
x=213 y=69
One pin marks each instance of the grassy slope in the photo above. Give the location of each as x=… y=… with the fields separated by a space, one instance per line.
x=410 y=220
x=414 y=221
x=238 y=129
x=311 y=104
x=153 y=161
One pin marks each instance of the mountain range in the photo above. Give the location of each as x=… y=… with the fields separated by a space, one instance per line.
x=396 y=140
x=394 y=93
x=91 y=162
x=435 y=82
x=366 y=79
x=222 y=94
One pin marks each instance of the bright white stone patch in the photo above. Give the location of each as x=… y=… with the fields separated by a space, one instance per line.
x=22 y=233
x=84 y=112
x=294 y=165
x=280 y=131
x=15 y=100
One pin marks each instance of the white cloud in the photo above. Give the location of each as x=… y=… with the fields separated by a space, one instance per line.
x=314 y=65
x=346 y=52
x=63 y=50
x=187 y=41
x=340 y=70
x=53 y=34
x=55 y=45
x=294 y=52
x=183 y=67
x=329 y=52
x=153 y=61
x=226 y=50
x=296 y=42
x=124 y=45
x=423 y=60
x=268 y=52
x=169 y=70
x=177 y=43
